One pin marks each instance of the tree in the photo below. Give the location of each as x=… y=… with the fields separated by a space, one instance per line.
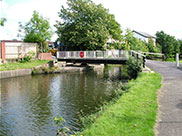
x=133 y=43
x=152 y=47
x=2 y=21
x=86 y=26
x=180 y=44
x=37 y=30
x=169 y=45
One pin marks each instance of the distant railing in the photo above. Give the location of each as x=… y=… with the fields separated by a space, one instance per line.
x=154 y=56
x=112 y=54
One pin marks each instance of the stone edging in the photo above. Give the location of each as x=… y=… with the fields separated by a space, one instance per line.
x=26 y=72
x=15 y=73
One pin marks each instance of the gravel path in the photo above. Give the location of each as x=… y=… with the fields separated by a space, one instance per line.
x=169 y=121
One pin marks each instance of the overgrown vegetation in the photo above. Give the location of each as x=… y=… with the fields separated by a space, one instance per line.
x=28 y=57
x=132 y=114
x=44 y=70
x=134 y=67
x=62 y=131
x=19 y=65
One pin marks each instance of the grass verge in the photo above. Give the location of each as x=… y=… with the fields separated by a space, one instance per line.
x=18 y=65
x=173 y=60
x=133 y=114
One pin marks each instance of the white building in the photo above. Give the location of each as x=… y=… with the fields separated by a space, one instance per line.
x=143 y=36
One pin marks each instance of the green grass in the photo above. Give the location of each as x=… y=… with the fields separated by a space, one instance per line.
x=133 y=114
x=173 y=60
x=18 y=65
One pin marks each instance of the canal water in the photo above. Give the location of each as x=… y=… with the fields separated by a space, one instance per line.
x=29 y=104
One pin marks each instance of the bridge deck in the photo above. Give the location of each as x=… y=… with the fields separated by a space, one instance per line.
x=100 y=57
x=95 y=60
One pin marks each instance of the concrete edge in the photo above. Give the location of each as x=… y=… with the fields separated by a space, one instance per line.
x=15 y=73
x=26 y=72
x=147 y=70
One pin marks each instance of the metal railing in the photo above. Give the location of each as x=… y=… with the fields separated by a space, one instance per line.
x=109 y=54
x=112 y=54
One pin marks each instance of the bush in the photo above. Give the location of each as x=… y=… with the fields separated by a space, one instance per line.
x=133 y=67
x=28 y=57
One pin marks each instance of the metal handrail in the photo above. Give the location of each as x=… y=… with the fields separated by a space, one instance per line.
x=151 y=53
x=109 y=54
x=93 y=54
x=132 y=51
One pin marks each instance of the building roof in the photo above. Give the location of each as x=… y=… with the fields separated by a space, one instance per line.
x=144 y=34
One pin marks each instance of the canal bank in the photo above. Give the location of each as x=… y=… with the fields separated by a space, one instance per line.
x=46 y=69
x=132 y=113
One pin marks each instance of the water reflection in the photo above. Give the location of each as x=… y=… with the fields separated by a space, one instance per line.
x=29 y=104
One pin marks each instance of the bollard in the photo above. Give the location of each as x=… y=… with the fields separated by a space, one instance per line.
x=177 y=59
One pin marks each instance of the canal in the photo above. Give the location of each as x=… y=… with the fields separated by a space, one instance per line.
x=29 y=104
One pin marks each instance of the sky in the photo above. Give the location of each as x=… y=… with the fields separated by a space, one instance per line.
x=147 y=16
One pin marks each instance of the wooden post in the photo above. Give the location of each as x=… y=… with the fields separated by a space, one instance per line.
x=137 y=56
x=144 y=60
x=132 y=54
x=163 y=58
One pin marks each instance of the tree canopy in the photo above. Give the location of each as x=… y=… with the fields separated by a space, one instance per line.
x=169 y=45
x=37 y=30
x=86 y=26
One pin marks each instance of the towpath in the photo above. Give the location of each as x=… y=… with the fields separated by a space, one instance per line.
x=169 y=122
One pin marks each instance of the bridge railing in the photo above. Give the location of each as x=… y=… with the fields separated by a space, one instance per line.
x=139 y=57
x=94 y=54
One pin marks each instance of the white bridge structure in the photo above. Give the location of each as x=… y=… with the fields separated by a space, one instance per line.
x=98 y=57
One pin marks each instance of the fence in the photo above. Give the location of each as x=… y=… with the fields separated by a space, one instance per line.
x=154 y=56
x=18 y=50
